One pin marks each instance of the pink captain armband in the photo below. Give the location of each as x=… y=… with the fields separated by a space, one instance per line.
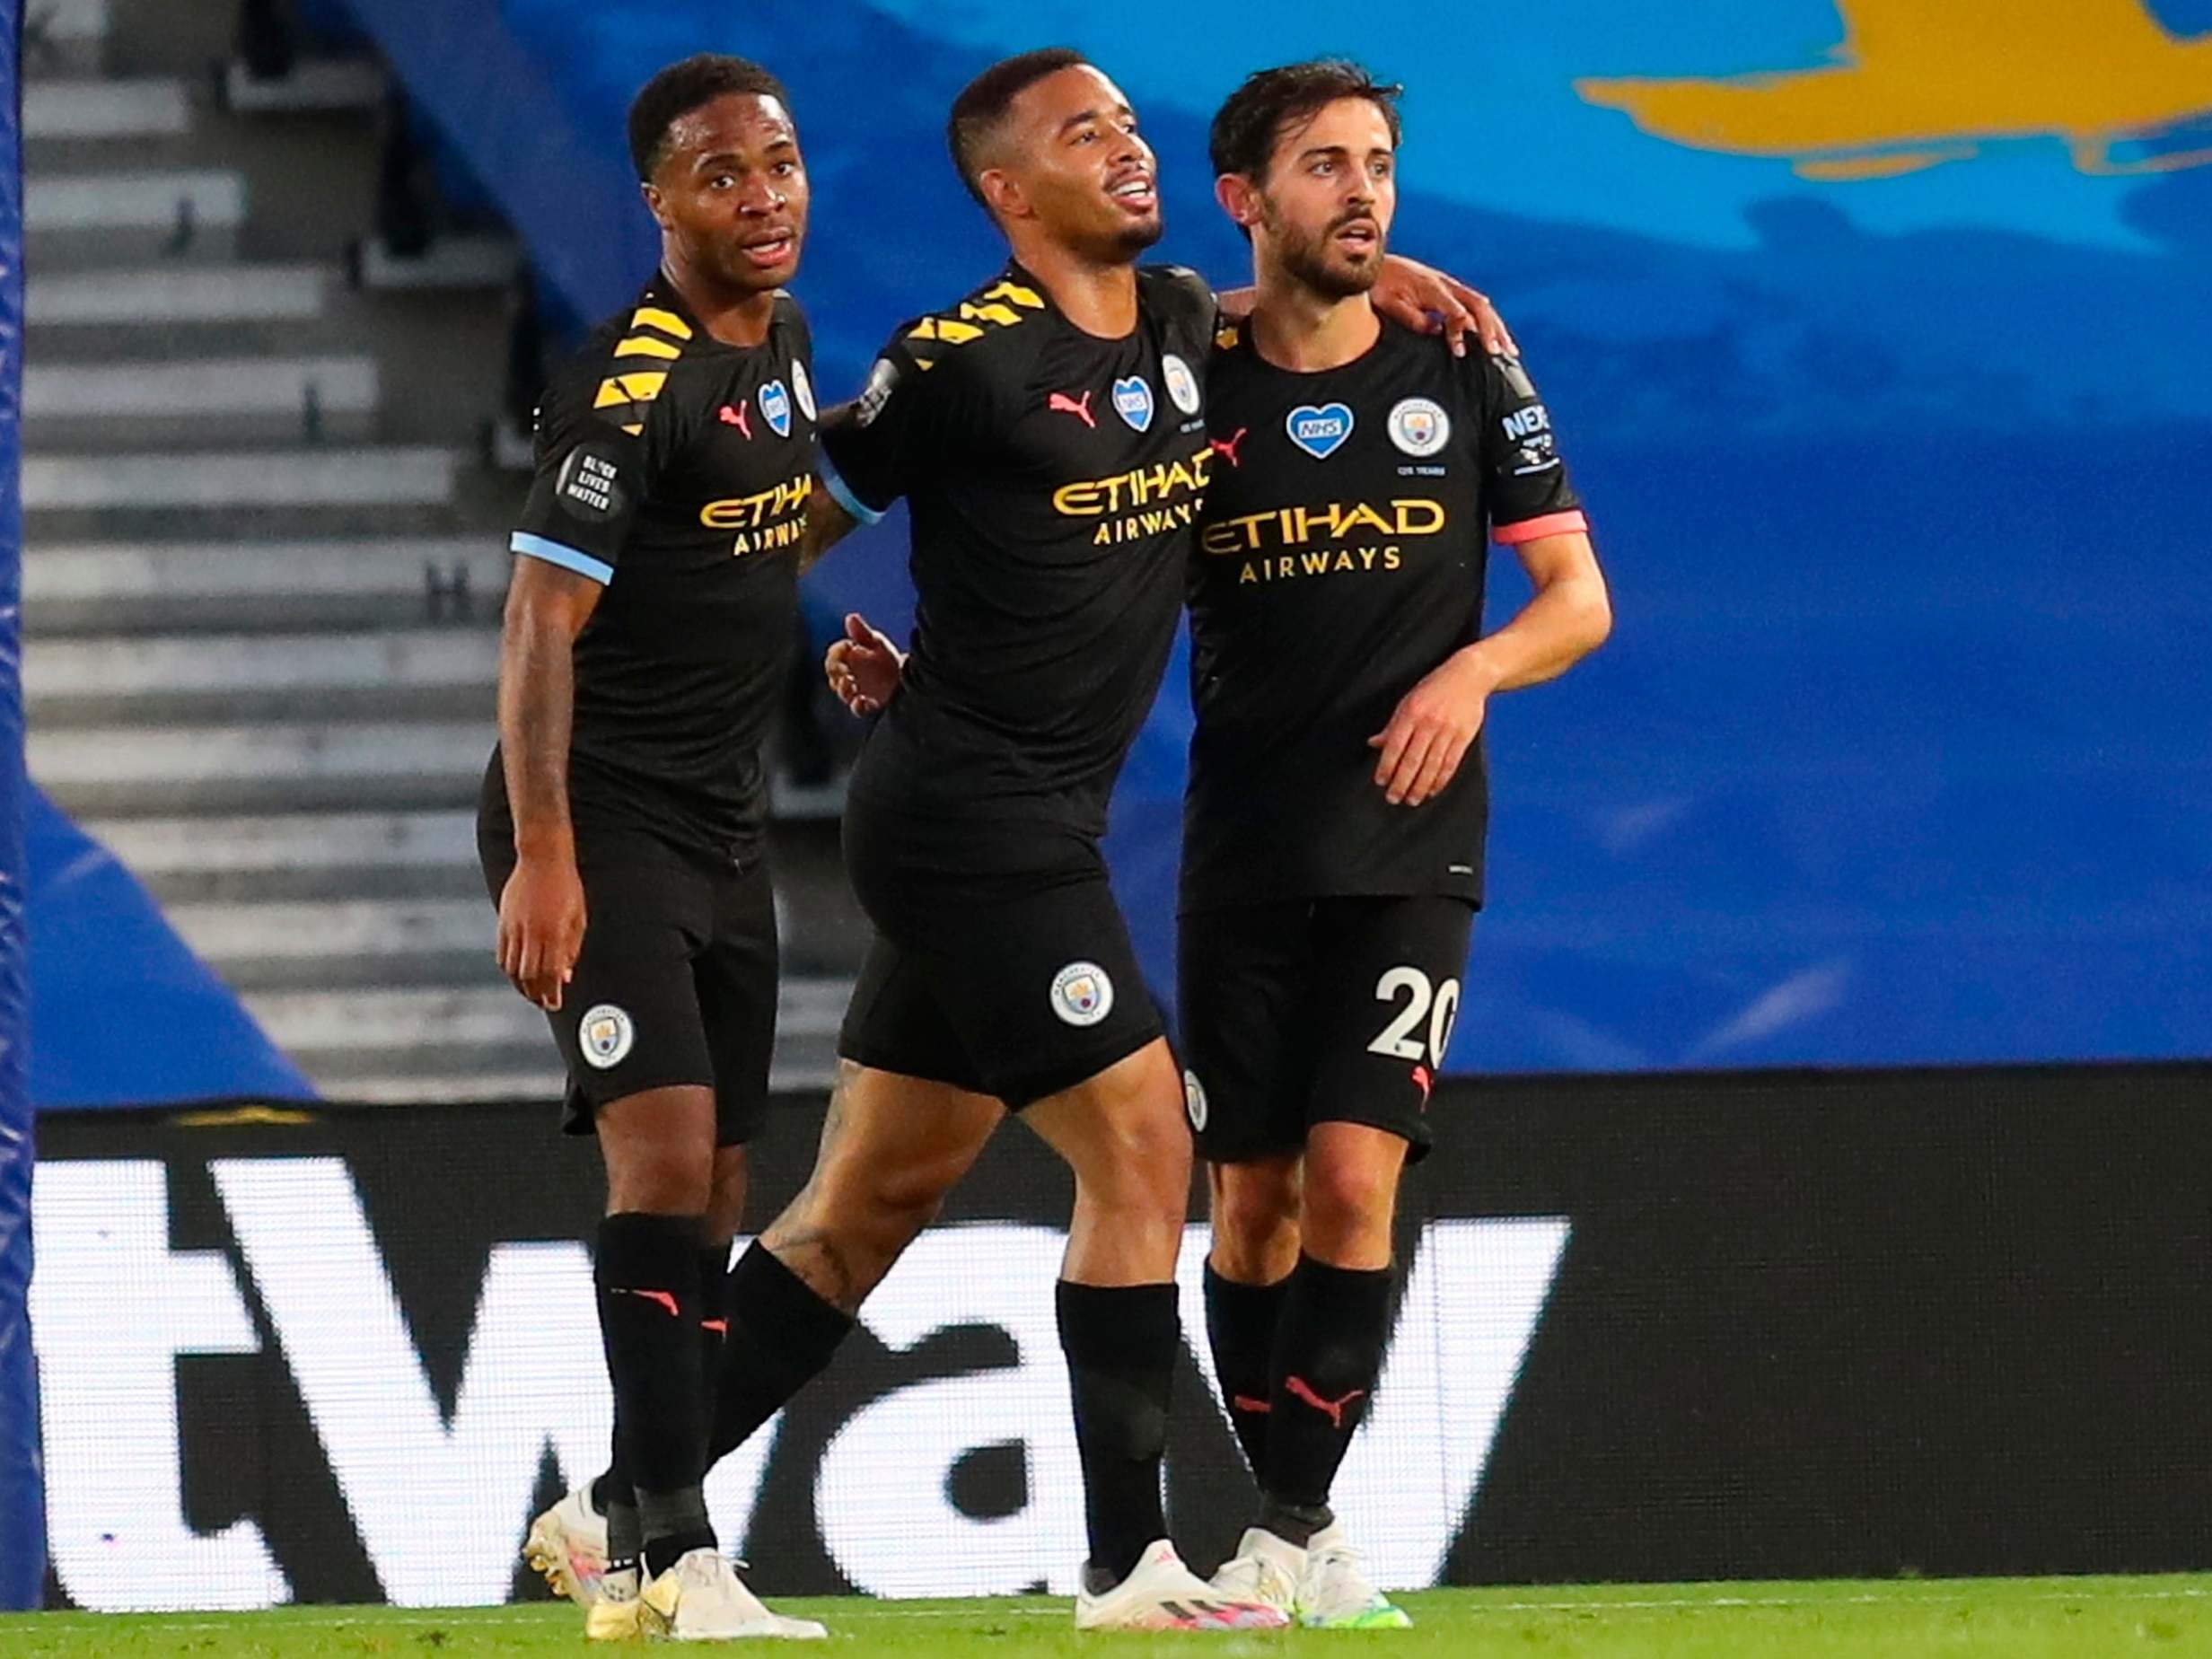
x=1551 y=524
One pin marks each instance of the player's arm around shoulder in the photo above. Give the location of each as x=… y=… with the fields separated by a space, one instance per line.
x=930 y=395
x=828 y=521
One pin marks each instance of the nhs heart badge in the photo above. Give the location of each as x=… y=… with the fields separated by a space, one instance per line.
x=776 y=404
x=1133 y=401
x=1320 y=432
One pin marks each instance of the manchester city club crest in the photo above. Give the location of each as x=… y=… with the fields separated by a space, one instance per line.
x=1183 y=385
x=1419 y=427
x=1133 y=401
x=1082 y=993
x=605 y=1036
x=775 y=407
x=802 y=389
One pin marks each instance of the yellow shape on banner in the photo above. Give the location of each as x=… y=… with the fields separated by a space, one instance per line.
x=1919 y=82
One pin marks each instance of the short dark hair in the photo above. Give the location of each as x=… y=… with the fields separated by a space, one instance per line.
x=680 y=89
x=1271 y=102
x=983 y=103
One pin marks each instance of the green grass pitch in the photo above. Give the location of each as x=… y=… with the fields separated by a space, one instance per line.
x=2014 y=1617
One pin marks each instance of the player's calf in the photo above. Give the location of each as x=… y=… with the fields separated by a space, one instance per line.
x=1122 y=1134
x=891 y=1147
x=1252 y=1211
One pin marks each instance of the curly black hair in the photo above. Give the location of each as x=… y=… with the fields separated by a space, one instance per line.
x=680 y=89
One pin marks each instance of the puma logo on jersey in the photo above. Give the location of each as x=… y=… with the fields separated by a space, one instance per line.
x=741 y=417
x=1226 y=447
x=1334 y=1408
x=1080 y=407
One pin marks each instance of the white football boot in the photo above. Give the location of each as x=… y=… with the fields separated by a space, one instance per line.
x=1161 y=1593
x=567 y=1546
x=1266 y=1569
x=1335 y=1593
x=615 y=1616
x=701 y=1599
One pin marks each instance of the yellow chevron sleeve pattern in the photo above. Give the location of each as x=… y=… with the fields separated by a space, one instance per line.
x=1003 y=305
x=654 y=337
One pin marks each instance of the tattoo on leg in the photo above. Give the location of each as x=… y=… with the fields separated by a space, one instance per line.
x=814 y=1255
x=832 y=1123
x=840 y=1250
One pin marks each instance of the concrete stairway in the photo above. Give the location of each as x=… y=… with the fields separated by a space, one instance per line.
x=263 y=571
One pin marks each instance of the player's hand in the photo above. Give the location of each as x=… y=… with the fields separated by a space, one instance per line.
x=863 y=667
x=1422 y=298
x=1431 y=730
x=541 y=928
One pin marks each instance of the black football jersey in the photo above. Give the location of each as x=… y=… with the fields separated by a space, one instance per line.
x=1053 y=480
x=1340 y=560
x=675 y=470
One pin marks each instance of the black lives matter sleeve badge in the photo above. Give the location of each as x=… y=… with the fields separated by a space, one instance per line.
x=589 y=485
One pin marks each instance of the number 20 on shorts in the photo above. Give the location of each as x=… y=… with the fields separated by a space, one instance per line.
x=1439 y=1004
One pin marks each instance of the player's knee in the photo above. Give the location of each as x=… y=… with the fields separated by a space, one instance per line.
x=1147 y=1171
x=1348 y=1206
x=876 y=1210
x=658 y=1186
x=906 y=1200
x=1255 y=1216
x=659 y=1147
x=726 y=1204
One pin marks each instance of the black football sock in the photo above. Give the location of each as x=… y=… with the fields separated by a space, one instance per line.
x=674 y=1524
x=648 y=1279
x=626 y=1534
x=609 y=1487
x=780 y=1336
x=1327 y=1354
x=613 y=1498
x=1240 y=1322
x=713 y=1295
x=1121 y=1345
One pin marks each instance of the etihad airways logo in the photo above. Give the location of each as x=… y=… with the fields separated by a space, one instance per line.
x=1337 y=521
x=768 y=522
x=1145 y=501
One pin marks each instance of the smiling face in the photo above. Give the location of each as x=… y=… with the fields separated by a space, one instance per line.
x=1068 y=156
x=1322 y=211
x=730 y=193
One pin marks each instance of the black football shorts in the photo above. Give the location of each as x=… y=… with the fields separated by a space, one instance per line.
x=1001 y=963
x=1317 y=1011
x=676 y=982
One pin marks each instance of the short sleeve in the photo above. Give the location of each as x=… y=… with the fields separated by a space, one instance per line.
x=1190 y=299
x=1526 y=490
x=592 y=468
x=923 y=408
